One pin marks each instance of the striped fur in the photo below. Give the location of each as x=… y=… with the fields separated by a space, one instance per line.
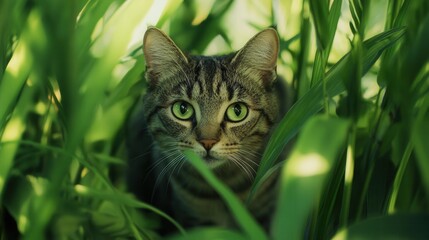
x=211 y=85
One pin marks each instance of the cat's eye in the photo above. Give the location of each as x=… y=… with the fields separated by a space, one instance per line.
x=236 y=112
x=182 y=110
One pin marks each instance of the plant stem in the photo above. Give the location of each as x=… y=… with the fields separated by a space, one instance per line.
x=348 y=177
x=398 y=178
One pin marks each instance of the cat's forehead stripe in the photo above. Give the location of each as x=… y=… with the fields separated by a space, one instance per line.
x=176 y=90
x=190 y=87
x=217 y=78
x=195 y=90
x=207 y=76
x=222 y=80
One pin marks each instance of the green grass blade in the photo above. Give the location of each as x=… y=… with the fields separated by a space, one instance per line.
x=209 y=233
x=131 y=84
x=420 y=139
x=322 y=53
x=320 y=12
x=111 y=45
x=11 y=85
x=303 y=81
x=400 y=17
x=312 y=101
x=399 y=178
x=334 y=16
x=353 y=101
x=17 y=201
x=12 y=18
x=359 y=11
x=13 y=133
x=401 y=226
x=15 y=76
x=242 y=216
x=305 y=172
x=122 y=200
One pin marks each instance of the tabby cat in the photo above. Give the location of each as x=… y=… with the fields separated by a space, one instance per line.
x=221 y=107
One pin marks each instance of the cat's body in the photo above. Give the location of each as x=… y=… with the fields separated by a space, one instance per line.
x=224 y=109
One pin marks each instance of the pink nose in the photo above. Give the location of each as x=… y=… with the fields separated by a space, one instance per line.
x=208 y=143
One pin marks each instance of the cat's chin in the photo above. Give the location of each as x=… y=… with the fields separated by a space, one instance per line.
x=214 y=162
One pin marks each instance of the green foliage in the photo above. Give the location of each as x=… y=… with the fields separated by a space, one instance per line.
x=69 y=75
x=304 y=173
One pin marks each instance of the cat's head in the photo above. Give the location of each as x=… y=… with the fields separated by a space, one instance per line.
x=221 y=107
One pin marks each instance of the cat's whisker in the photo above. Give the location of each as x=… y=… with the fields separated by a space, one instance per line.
x=165 y=169
x=242 y=166
x=247 y=161
x=252 y=152
x=241 y=148
x=243 y=152
x=170 y=156
x=155 y=164
x=176 y=164
x=170 y=152
x=181 y=164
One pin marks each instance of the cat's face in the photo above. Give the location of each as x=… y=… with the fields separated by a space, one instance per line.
x=220 y=107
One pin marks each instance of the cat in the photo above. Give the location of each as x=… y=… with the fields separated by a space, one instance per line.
x=221 y=107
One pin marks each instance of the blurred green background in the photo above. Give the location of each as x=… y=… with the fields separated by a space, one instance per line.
x=70 y=72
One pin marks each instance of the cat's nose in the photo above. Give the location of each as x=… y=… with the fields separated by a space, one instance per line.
x=208 y=143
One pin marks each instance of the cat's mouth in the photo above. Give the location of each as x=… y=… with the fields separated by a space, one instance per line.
x=213 y=162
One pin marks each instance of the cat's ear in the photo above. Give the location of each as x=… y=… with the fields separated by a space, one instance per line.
x=163 y=57
x=259 y=56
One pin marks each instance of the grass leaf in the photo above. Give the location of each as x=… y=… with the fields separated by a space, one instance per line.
x=209 y=233
x=305 y=172
x=242 y=216
x=401 y=226
x=320 y=12
x=122 y=200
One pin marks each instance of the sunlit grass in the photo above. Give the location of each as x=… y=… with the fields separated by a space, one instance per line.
x=308 y=165
x=300 y=182
x=70 y=72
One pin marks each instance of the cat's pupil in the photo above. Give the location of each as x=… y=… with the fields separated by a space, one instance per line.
x=237 y=109
x=183 y=108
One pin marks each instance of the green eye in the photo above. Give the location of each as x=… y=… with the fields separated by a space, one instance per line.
x=236 y=112
x=182 y=110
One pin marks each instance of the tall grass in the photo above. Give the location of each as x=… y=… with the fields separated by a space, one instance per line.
x=71 y=70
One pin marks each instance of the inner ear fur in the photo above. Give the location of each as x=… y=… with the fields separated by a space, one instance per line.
x=163 y=58
x=261 y=51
